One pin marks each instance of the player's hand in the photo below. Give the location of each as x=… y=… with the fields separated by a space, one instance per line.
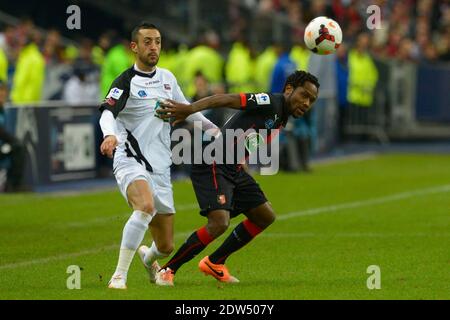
x=176 y=111
x=108 y=146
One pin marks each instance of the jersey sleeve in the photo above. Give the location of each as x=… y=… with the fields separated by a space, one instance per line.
x=195 y=117
x=178 y=95
x=250 y=101
x=117 y=96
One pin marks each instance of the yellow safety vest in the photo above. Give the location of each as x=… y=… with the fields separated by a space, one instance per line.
x=362 y=79
x=301 y=57
x=29 y=76
x=264 y=65
x=239 y=70
x=206 y=60
x=3 y=66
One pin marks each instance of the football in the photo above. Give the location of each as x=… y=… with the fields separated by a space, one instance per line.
x=323 y=35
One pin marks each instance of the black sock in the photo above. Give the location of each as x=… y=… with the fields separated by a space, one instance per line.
x=196 y=242
x=241 y=235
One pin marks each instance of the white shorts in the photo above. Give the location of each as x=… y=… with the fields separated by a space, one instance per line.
x=128 y=170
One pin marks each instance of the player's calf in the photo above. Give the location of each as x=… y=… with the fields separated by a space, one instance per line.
x=164 y=249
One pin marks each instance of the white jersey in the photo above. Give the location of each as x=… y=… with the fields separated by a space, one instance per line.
x=133 y=99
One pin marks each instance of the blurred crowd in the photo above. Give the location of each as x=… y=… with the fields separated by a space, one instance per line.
x=239 y=52
x=39 y=65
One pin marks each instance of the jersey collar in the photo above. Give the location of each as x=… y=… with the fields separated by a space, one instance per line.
x=144 y=74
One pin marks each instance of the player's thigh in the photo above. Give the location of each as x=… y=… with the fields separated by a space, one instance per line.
x=249 y=197
x=213 y=189
x=263 y=215
x=161 y=229
x=163 y=193
x=140 y=196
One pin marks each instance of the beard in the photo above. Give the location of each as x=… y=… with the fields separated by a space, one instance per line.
x=149 y=61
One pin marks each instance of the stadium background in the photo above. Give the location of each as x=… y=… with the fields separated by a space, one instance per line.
x=396 y=144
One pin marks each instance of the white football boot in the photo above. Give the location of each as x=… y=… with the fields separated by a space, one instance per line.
x=151 y=270
x=117 y=281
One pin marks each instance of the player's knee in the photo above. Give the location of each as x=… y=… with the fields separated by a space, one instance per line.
x=265 y=220
x=146 y=206
x=270 y=218
x=223 y=225
x=218 y=226
x=218 y=229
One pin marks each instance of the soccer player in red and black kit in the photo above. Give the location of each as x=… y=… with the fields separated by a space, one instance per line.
x=226 y=190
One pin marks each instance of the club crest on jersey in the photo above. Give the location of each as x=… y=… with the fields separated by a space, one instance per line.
x=270 y=123
x=142 y=93
x=115 y=93
x=167 y=86
x=262 y=98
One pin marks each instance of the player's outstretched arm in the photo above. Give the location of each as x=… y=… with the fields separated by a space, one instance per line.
x=180 y=111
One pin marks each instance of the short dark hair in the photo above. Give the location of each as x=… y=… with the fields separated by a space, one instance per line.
x=299 y=77
x=142 y=25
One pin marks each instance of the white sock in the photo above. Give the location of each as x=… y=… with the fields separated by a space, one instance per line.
x=152 y=254
x=133 y=234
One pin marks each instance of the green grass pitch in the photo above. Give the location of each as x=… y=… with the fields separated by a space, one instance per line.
x=392 y=211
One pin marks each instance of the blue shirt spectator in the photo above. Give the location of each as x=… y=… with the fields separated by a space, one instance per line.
x=283 y=68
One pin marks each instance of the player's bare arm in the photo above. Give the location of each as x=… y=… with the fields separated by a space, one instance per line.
x=180 y=111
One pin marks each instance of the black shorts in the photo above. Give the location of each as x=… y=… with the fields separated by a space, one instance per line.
x=225 y=187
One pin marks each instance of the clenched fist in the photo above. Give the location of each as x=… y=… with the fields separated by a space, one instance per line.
x=108 y=146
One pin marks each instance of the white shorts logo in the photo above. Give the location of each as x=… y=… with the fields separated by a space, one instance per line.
x=262 y=98
x=115 y=93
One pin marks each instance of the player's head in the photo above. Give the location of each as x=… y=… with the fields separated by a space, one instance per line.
x=146 y=43
x=300 y=90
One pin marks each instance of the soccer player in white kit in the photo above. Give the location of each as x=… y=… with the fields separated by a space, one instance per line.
x=139 y=142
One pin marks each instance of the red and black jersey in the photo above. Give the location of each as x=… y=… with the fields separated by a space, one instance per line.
x=260 y=111
x=262 y=115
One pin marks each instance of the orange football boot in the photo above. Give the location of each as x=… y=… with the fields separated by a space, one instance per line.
x=218 y=271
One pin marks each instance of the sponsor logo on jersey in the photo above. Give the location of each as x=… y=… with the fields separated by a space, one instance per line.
x=262 y=98
x=269 y=124
x=167 y=86
x=115 y=93
x=142 y=93
x=151 y=82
